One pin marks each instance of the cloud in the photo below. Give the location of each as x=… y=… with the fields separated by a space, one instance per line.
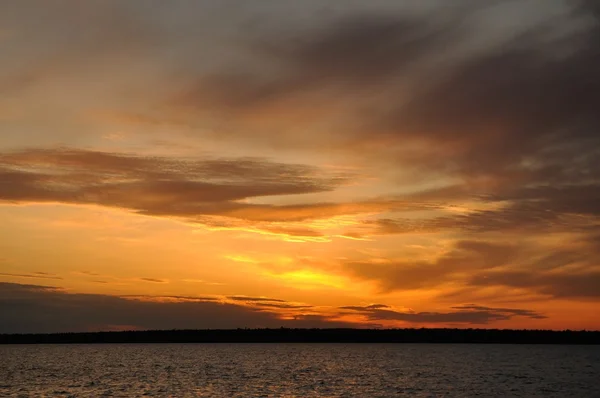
x=255 y=299
x=88 y=273
x=376 y=306
x=36 y=275
x=154 y=280
x=365 y=308
x=105 y=32
x=171 y=298
x=568 y=271
x=534 y=210
x=477 y=102
x=163 y=186
x=436 y=104
x=433 y=90
x=513 y=120
x=46 y=309
x=43 y=309
x=559 y=284
x=357 y=51
x=217 y=193
x=465 y=257
x=468 y=314
x=284 y=306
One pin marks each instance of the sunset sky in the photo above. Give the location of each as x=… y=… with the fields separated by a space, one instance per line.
x=234 y=163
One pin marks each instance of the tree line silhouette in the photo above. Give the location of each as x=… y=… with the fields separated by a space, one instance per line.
x=288 y=335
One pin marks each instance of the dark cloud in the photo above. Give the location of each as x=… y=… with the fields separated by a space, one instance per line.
x=465 y=257
x=357 y=53
x=18 y=290
x=570 y=285
x=40 y=309
x=515 y=120
x=539 y=210
x=568 y=271
x=468 y=314
x=482 y=101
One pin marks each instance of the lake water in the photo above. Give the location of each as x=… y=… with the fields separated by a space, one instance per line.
x=299 y=370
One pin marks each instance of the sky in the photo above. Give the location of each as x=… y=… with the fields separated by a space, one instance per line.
x=232 y=163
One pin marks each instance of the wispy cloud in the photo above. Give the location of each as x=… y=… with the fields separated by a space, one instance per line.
x=255 y=299
x=159 y=186
x=35 y=275
x=467 y=314
x=154 y=280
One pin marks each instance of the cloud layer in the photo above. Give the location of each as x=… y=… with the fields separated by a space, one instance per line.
x=159 y=186
x=44 y=309
x=441 y=150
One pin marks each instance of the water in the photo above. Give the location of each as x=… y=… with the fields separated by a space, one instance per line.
x=299 y=370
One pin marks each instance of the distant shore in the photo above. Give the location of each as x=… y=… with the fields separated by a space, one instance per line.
x=286 y=335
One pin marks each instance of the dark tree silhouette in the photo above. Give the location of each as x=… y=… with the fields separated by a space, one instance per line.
x=285 y=335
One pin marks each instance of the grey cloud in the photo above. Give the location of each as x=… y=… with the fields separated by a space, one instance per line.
x=520 y=109
x=510 y=119
x=356 y=52
x=41 y=309
x=45 y=42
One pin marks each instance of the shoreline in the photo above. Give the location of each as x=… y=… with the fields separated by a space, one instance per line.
x=286 y=335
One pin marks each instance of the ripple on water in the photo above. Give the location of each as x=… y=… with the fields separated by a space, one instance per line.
x=299 y=370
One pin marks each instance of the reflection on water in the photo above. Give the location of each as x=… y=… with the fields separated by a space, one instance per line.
x=302 y=370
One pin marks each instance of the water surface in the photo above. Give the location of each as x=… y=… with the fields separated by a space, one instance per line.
x=299 y=370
